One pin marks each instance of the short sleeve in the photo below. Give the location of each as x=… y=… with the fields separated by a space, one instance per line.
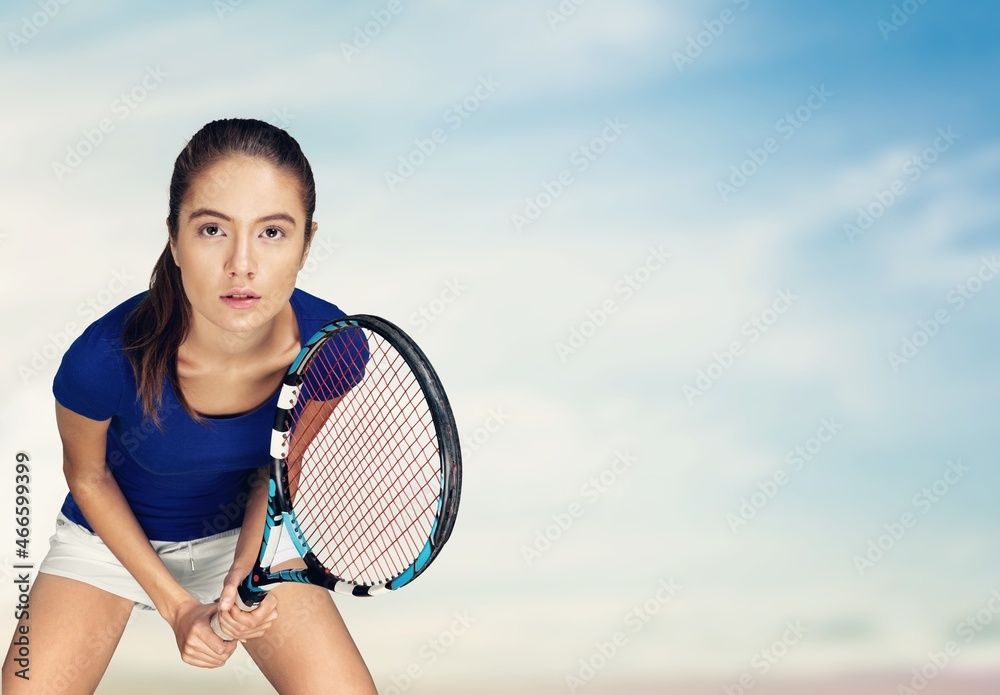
x=343 y=358
x=89 y=380
x=341 y=362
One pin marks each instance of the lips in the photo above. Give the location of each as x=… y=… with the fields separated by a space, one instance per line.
x=240 y=298
x=241 y=294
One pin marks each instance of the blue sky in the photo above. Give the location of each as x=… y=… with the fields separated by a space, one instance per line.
x=393 y=251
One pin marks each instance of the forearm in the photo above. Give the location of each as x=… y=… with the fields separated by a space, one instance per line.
x=109 y=514
x=248 y=545
x=314 y=416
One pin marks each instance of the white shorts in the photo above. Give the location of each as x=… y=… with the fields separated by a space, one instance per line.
x=199 y=566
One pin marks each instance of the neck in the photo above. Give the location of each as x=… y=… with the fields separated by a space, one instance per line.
x=206 y=344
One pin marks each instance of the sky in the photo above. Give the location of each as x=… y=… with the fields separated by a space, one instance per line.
x=713 y=289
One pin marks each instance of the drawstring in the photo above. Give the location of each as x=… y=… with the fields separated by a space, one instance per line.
x=191 y=555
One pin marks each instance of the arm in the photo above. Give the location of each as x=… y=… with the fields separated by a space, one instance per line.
x=97 y=494
x=234 y=622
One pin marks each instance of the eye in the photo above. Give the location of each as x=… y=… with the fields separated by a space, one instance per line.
x=273 y=233
x=210 y=230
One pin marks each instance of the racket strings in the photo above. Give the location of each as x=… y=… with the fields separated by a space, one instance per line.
x=367 y=485
x=400 y=540
x=349 y=447
x=388 y=509
x=353 y=449
x=392 y=507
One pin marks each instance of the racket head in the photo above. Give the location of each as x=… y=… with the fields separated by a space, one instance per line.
x=373 y=498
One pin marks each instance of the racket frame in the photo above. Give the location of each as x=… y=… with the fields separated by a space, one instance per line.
x=280 y=513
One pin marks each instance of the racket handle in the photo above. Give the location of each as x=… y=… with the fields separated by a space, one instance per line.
x=247 y=602
x=214 y=622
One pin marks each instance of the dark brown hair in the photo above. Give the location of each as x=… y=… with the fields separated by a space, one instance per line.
x=158 y=324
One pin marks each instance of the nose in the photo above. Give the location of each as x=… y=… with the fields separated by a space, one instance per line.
x=242 y=262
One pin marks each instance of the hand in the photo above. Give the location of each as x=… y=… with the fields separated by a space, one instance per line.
x=197 y=642
x=239 y=624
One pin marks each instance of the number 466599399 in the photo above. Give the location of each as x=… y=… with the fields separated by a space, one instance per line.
x=22 y=503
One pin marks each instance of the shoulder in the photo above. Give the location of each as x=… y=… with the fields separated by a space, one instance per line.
x=313 y=312
x=106 y=331
x=91 y=376
x=111 y=324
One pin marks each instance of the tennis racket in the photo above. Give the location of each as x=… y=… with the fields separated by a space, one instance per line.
x=365 y=472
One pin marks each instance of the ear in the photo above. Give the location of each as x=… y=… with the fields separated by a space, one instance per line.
x=305 y=251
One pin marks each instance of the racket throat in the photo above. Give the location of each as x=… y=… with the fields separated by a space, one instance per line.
x=249 y=596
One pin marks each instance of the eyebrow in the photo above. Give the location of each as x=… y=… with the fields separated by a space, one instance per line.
x=206 y=212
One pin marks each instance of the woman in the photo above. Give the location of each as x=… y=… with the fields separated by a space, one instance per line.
x=164 y=408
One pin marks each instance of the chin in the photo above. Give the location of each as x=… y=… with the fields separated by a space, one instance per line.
x=242 y=324
x=236 y=322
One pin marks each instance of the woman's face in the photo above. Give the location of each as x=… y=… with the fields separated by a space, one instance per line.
x=240 y=243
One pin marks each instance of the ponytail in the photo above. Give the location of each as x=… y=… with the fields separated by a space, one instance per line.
x=154 y=330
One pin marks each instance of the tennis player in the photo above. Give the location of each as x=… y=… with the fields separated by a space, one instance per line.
x=164 y=407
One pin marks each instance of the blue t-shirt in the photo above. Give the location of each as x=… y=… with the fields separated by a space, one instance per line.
x=189 y=480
